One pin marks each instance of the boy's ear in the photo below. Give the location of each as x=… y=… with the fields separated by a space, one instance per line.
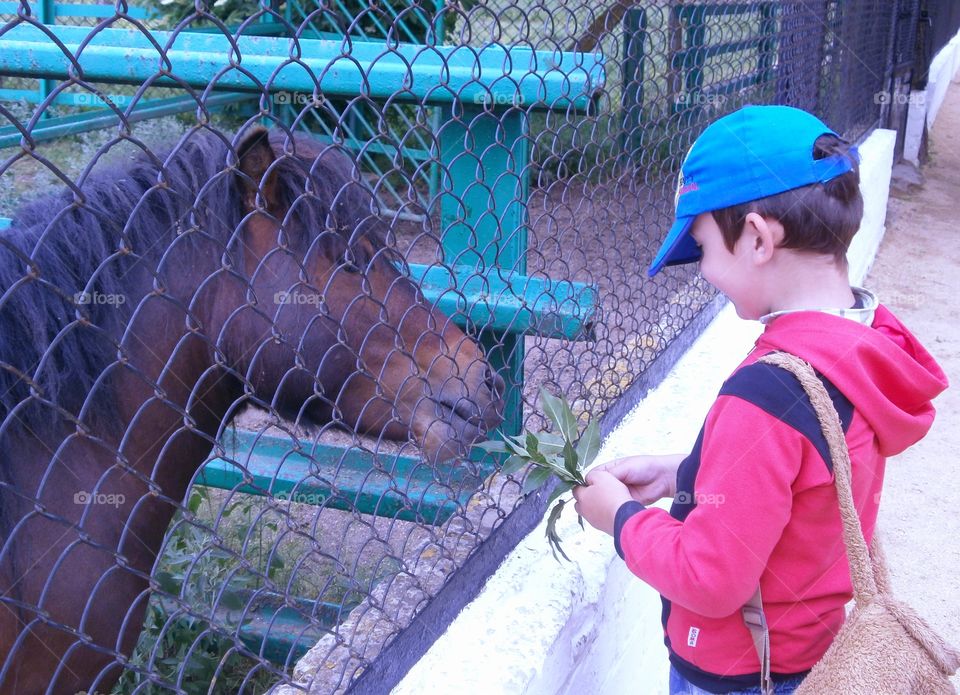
x=762 y=236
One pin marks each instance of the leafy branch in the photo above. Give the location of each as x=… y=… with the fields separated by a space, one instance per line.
x=565 y=455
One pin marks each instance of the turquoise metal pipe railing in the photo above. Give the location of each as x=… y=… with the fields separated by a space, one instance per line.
x=404 y=72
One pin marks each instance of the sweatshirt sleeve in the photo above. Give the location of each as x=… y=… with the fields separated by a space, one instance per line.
x=712 y=561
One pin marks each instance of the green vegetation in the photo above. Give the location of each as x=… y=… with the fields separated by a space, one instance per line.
x=564 y=455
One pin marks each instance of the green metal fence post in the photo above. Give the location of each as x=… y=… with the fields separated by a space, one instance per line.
x=483 y=192
x=694 y=61
x=635 y=37
x=767 y=49
x=48 y=15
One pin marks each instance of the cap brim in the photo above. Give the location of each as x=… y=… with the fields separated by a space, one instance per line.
x=678 y=248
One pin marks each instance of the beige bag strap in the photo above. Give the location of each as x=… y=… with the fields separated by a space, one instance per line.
x=862 y=576
x=756 y=622
x=861 y=569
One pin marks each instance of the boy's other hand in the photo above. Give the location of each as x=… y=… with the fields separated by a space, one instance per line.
x=599 y=500
x=648 y=478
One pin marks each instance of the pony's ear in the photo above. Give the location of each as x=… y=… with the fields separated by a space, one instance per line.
x=256 y=156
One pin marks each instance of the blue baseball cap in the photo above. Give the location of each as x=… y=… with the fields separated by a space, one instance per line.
x=752 y=153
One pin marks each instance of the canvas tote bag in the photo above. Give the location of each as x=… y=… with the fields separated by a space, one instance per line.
x=884 y=647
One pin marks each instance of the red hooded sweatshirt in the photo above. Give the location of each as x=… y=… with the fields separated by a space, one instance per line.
x=756 y=501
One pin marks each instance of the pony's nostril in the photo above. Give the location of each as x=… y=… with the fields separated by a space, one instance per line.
x=495 y=383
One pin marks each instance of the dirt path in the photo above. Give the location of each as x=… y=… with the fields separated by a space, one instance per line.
x=916 y=274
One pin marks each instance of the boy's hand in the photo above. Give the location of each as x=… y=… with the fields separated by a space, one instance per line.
x=642 y=478
x=648 y=478
x=599 y=500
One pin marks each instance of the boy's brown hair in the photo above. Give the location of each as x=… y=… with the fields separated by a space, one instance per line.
x=821 y=218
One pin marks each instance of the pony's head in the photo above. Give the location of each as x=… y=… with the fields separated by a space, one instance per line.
x=327 y=327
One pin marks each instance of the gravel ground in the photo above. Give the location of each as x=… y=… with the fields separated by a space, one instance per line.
x=915 y=274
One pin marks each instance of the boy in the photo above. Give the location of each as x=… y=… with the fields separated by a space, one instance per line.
x=768 y=202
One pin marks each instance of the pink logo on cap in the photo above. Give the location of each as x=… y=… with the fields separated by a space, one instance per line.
x=683 y=188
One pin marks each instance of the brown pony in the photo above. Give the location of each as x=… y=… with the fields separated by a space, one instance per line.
x=138 y=311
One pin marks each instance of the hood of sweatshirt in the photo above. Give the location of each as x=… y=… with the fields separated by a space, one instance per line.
x=882 y=369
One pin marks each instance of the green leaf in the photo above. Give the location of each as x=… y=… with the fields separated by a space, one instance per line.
x=562 y=488
x=535 y=478
x=492 y=446
x=515 y=446
x=552 y=537
x=513 y=465
x=570 y=462
x=168 y=583
x=533 y=450
x=550 y=443
x=559 y=411
x=196 y=499
x=589 y=445
x=231 y=601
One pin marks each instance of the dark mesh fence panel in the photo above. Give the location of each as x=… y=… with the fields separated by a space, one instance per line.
x=271 y=272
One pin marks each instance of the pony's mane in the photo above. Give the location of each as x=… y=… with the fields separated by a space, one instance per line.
x=111 y=240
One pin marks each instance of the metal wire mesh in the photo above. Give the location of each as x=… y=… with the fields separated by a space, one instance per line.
x=241 y=374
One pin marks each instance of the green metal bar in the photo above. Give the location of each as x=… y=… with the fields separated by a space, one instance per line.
x=515 y=75
x=48 y=15
x=63 y=126
x=84 y=98
x=635 y=31
x=400 y=487
x=696 y=33
x=695 y=56
x=712 y=9
x=482 y=201
x=519 y=305
x=27 y=95
x=733 y=86
x=768 y=49
x=434 y=177
x=258 y=29
x=438 y=26
x=281 y=628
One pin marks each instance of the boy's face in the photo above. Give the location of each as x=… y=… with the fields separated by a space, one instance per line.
x=733 y=273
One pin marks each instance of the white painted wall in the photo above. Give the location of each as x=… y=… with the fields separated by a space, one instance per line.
x=925 y=104
x=540 y=627
x=943 y=67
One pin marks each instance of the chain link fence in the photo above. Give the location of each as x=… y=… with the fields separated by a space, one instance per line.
x=269 y=272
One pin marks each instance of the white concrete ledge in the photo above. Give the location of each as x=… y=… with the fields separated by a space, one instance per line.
x=925 y=104
x=540 y=627
x=943 y=68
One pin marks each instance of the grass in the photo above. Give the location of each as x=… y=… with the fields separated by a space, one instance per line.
x=228 y=543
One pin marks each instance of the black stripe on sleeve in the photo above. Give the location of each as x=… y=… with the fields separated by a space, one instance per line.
x=777 y=391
